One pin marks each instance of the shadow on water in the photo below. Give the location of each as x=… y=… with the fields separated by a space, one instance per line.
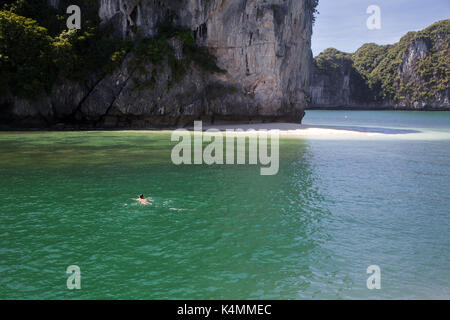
x=365 y=129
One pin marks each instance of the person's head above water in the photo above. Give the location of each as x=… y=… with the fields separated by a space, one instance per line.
x=141 y=196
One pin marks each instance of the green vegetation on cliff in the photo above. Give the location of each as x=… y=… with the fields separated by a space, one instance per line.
x=313 y=4
x=332 y=59
x=155 y=50
x=386 y=70
x=37 y=50
x=25 y=48
x=335 y=64
x=434 y=68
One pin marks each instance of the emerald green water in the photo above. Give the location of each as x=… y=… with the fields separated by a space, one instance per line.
x=225 y=232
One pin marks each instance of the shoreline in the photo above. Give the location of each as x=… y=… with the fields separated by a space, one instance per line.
x=284 y=130
x=74 y=128
x=403 y=109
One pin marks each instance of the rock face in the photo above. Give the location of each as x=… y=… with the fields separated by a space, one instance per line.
x=410 y=75
x=264 y=46
x=407 y=72
x=338 y=84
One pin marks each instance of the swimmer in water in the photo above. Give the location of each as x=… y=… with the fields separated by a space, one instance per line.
x=143 y=200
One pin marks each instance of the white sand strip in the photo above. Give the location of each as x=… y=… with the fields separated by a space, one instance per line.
x=321 y=132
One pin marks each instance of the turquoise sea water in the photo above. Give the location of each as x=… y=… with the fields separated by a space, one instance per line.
x=225 y=232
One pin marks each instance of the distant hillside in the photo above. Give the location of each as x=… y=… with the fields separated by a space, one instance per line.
x=411 y=74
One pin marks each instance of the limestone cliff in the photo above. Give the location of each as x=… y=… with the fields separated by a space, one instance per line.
x=336 y=82
x=412 y=74
x=263 y=46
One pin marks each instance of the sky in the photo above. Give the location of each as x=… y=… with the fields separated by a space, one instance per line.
x=341 y=24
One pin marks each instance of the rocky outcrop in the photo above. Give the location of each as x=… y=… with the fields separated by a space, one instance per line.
x=407 y=73
x=264 y=46
x=410 y=75
x=338 y=84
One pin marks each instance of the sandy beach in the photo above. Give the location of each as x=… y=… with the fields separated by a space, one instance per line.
x=317 y=132
x=285 y=130
x=296 y=130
